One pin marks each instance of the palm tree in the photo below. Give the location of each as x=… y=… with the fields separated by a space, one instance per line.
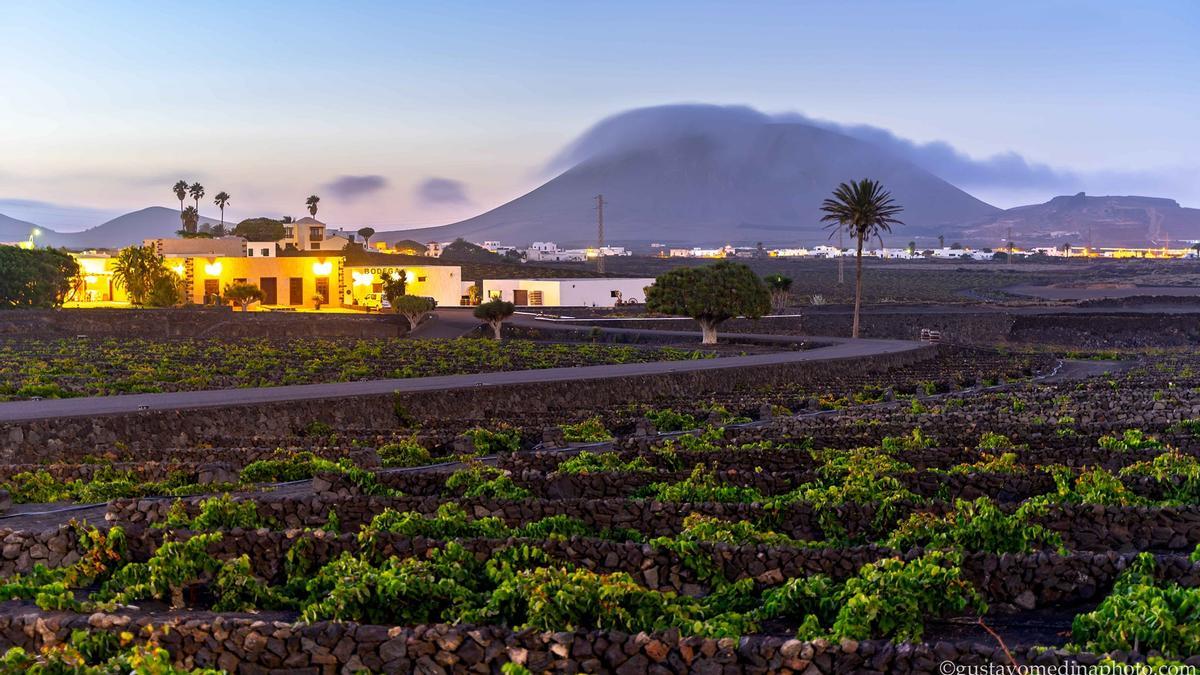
x=180 y=190
x=196 y=191
x=863 y=210
x=134 y=270
x=311 y=203
x=221 y=200
x=190 y=218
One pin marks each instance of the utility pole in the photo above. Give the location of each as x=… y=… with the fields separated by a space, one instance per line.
x=600 y=233
x=1010 y=247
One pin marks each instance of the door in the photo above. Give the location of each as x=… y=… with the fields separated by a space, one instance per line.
x=212 y=288
x=323 y=288
x=520 y=297
x=296 y=291
x=270 y=291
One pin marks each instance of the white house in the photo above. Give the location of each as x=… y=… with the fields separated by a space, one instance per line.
x=583 y=292
x=309 y=234
x=550 y=252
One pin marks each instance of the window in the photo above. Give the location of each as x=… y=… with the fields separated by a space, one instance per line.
x=315 y=245
x=420 y=279
x=316 y=233
x=494 y=295
x=250 y=253
x=266 y=252
x=289 y=232
x=614 y=294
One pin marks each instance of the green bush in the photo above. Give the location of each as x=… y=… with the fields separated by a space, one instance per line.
x=1142 y=614
x=404 y=453
x=591 y=430
x=605 y=462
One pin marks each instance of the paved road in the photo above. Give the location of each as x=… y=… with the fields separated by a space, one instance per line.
x=108 y=405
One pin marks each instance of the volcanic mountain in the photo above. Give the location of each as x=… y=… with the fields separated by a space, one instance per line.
x=708 y=174
x=131 y=228
x=1140 y=222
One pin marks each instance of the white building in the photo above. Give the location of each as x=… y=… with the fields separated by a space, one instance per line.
x=261 y=249
x=549 y=251
x=584 y=292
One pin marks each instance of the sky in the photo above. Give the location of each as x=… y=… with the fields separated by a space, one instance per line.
x=421 y=113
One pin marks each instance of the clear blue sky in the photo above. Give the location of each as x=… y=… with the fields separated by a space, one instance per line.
x=106 y=104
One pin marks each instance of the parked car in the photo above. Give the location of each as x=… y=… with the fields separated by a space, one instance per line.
x=376 y=301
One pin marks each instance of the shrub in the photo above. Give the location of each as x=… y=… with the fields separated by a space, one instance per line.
x=978 y=525
x=668 y=420
x=700 y=487
x=404 y=453
x=605 y=462
x=1142 y=614
x=886 y=599
x=479 y=480
x=590 y=430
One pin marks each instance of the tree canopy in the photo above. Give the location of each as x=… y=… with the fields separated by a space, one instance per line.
x=710 y=294
x=35 y=277
x=461 y=249
x=243 y=294
x=414 y=308
x=259 y=229
x=494 y=312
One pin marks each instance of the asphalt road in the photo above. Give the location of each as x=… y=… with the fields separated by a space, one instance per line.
x=109 y=405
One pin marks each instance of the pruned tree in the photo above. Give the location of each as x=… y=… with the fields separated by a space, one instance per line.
x=415 y=308
x=243 y=294
x=710 y=294
x=494 y=312
x=366 y=233
x=781 y=288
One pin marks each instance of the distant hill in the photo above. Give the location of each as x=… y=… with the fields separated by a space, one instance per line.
x=12 y=230
x=705 y=174
x=131 y=228
x=1080 y=220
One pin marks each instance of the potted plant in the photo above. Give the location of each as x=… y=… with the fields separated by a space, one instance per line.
x=317 y=301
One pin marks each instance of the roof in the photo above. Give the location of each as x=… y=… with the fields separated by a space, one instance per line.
x=306 y=220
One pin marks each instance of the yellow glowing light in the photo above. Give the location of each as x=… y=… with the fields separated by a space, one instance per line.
x=213 y=269
x=178 y=269
x=322 y=269
x=89 y=279
x=409 y=277
x=395 y=275
x=363 y=279
x=92 y=265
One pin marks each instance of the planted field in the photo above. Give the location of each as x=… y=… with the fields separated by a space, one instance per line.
x=98 y=367
x=969 y=508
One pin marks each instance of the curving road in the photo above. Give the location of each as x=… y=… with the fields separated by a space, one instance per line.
x=451 y=323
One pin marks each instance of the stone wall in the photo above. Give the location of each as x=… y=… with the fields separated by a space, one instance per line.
x=255 y=645
x=55 y=439
x=200 y=322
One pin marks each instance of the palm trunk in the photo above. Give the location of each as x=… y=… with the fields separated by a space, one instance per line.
x=857 y=287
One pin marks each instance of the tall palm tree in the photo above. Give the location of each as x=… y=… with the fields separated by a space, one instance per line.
x=196 y=191
x=311 y=203
x=863 y=210
x=180 y=190
x=221 y=200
